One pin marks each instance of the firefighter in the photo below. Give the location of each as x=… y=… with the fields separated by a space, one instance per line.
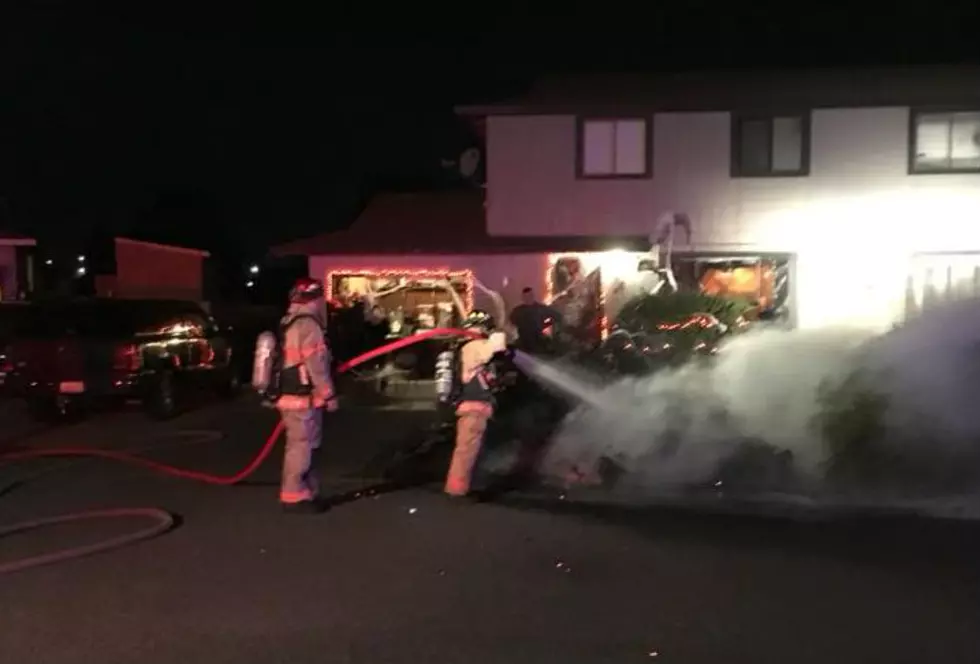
x=473 y=396
x=306 y=388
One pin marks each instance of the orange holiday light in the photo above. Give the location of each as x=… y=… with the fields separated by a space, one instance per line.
x=703 y=321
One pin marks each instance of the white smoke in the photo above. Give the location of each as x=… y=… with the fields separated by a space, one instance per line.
x=678 y=427
x=931 y=371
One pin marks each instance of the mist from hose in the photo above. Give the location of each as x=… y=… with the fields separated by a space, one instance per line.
x=762 y=385
x=562 y=380
x=686 y=427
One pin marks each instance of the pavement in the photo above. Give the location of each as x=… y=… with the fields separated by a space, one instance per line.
x=407 y=576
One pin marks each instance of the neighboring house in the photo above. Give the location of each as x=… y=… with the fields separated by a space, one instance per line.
x=137 y=269
x=415 y=240
x=869 y=180
x=16 y=266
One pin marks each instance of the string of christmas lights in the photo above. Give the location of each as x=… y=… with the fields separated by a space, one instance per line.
x=410 y=274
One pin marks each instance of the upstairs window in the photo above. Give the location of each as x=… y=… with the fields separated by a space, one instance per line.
x=614 y=148
x=945 y=142
x=771 y=146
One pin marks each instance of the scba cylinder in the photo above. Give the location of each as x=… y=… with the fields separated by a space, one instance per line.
x=445 y=366
x=266 y=348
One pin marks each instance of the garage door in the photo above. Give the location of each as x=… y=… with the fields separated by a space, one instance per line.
x=937 y=278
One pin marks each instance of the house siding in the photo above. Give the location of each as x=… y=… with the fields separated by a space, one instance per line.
x=858 y=200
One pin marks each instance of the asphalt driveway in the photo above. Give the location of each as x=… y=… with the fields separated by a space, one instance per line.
x=405 y=576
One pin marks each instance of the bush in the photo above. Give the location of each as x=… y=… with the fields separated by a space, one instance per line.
x=651 y=317
x=645 y=313
x=851 y=422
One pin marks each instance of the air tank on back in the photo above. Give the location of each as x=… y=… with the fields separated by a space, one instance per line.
x=445 y=367
x=266 y=349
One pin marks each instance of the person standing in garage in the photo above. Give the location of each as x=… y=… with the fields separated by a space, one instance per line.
x=532 y=320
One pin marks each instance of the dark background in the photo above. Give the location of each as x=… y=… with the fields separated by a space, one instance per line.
x=232 y=130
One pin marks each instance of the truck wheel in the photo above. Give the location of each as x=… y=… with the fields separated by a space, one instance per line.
x=162 y=400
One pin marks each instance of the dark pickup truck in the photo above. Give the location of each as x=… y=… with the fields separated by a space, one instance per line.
x=63 y=355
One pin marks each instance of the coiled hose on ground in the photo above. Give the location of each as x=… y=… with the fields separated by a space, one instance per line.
x=161 y=520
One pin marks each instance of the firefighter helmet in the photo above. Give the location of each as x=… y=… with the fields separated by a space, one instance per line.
x=306 y=290
x=479 y=320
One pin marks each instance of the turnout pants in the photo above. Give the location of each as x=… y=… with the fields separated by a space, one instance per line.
x=304 y=428
x=471 y=425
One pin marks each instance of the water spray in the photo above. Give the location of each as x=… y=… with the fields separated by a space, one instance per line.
x=559 y=380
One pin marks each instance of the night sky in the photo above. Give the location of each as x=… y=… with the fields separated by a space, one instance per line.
x=234 y=131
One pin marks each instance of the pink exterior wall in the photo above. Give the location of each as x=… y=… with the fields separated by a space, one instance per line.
x=8 y=273
x=519 y=270
x=857 y=201
x=144 y=270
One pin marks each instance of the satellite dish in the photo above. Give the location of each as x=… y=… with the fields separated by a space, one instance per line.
x=469 y=162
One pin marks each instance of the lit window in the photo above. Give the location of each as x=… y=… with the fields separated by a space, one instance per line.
x=611 y=148
x=771 y=146
x=945 y=142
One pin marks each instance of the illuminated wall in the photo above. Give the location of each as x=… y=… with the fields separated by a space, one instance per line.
x=854 y=223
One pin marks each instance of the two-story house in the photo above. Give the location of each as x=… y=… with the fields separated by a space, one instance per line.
x=868 y=180
x=855 y=194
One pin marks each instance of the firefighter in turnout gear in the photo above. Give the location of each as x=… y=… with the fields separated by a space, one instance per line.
x=306 y=389
x=473 y=399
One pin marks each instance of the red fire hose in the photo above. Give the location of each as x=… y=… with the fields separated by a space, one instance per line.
x=162 y=521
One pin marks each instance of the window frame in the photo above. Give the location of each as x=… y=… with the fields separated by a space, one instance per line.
x=917 y=111
x=735 y=148
x=582 y=120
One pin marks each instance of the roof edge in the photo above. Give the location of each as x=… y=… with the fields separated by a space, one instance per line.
x=17 y=242
x=481 y=110
x=498 y=245
x=620 y=109
x=294 y=247
x=167 y=247
x=563 y=94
